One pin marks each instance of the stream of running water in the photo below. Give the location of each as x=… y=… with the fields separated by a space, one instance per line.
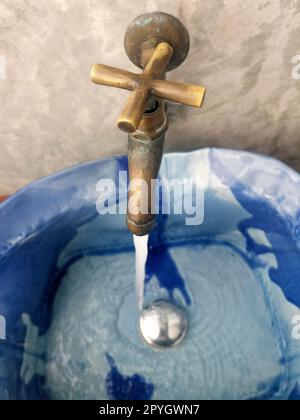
x=141 y=254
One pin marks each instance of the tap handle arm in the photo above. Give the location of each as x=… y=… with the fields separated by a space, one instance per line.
x=111 y=76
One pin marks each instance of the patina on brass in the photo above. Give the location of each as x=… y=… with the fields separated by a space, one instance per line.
x=156 y=42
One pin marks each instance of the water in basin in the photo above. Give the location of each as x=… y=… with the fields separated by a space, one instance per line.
x=74 y=329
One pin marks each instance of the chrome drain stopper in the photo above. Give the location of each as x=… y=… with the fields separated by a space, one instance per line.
x=163 y=324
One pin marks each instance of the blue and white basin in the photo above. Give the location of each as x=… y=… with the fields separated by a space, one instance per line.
x=68 y=311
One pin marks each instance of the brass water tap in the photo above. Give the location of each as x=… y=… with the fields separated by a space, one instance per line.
x=157 y=43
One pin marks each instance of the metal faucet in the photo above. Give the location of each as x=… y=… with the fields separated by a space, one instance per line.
x=157 y=43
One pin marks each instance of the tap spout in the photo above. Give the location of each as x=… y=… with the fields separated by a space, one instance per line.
x=145 y=151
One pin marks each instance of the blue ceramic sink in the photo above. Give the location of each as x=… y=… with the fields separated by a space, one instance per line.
x=68 y=312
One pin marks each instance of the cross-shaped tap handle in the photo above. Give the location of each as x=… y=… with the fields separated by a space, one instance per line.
x=149 y=83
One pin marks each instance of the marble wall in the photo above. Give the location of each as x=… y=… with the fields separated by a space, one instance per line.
x=245 y=52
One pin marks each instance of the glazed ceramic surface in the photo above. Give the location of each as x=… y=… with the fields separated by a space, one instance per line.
x=68 y=311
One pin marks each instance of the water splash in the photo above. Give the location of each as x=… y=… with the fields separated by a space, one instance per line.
x=141 y=254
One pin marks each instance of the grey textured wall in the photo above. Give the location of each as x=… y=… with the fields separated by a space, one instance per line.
x=52 y=116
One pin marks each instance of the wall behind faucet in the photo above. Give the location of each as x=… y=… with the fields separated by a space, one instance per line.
x=52 y=116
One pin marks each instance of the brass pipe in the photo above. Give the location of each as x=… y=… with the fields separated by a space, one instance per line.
x=145 y=151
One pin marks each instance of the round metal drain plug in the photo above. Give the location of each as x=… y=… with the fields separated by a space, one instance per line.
x=163 y=324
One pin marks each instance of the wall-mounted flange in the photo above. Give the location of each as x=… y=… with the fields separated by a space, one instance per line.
x=148 y=30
